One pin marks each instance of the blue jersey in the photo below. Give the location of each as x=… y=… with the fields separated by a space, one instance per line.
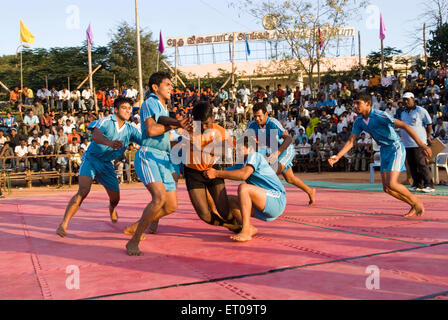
x=263 y=175
x=152 y=107
x=380 y=125
x=109 y=128
x=272 y=126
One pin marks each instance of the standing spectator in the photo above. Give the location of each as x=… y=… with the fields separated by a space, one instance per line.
x=30 y=122
x=244 y=93
x=223 y=96
x=441 y=74
x=75 y=98
x=280 y=94
x=363 y=151
x=240 y=113
x=54 y=98
x=419 y=120
x=7 y=152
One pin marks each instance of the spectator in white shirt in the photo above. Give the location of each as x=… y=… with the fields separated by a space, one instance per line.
x=244 y=93
x=20 y=152
x=132 y=93
x=47 y=137
x=306 y=92
x=34 y=137
x=64 y=102
x=87 y=99
x=68 y=127
x=75 y=98
x=339 y=110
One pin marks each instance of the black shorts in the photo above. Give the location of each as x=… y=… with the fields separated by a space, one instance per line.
x=195 y=180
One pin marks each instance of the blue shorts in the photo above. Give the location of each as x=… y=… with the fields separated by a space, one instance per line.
x=104 y=172
x=152 y=165
x=275 y=206
x=393 y=158
x=285 y=158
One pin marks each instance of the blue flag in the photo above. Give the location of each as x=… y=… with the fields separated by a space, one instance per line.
x=247 y=46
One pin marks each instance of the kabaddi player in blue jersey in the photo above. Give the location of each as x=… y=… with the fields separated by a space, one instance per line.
x=262 y=196
x=282 y=154
x=111 y=136
x=152 y=162
x=381 y=127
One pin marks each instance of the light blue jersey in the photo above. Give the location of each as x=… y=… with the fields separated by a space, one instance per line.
x=152 y=107
x=264 y=140
x=265 y=177
x=109 y=128
x=152 y=161
x=380 y=125
x=97 y=160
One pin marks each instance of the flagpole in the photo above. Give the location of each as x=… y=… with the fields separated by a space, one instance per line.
x=382 y=58
x=359 y=47
x=233 y=59
x=89 y=53
x=158 y=58
x=139 y=54
x=175 y=65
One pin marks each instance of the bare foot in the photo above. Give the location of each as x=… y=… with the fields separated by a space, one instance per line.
x=418 y=210
x=130 y=231
x=245 y=236
x=132 y=249
x=312 y=197
x=113 y=215
x=61 y=231
x=152 y=229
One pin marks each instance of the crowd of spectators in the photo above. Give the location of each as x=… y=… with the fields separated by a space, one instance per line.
x=55 y=122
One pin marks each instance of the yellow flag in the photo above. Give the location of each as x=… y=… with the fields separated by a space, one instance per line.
x=25 y=33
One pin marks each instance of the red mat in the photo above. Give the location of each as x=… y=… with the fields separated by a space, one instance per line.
x=309 y=253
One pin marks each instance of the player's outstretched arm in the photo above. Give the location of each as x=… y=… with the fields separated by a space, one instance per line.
x=401 y=125
x=348 y=146
x=99 y=138
x=238 y=175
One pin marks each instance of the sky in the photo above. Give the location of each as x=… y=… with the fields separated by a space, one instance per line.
x=60 y=23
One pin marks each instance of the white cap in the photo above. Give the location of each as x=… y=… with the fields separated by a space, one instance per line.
x=408 y=95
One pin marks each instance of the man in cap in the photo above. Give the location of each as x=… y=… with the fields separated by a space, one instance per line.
x=418 y=119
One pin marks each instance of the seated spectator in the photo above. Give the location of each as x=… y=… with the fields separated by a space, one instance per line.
x=9 y=122
x=73 y=134
x=2 y=139
x=317 y=149
x=68 y=127
x=324 y=120
x=87 y=99
x=303 y=149
x=73 y=148
x=345 y=135
x=47 y=163
x=13 y=138
x=35 y=136
x=439 y=127
x=61 y=142
x=432 y=86
x=363 y=151
x=21 y=152
x=14 y=96
x=30 y=123
x=331 y=104
x=120 y=165
x=38 y=108
x=7 y=152
x=338 y=110
x=443 y=136
x=47 y=137
x=64 y=103
x=33 y=152
x=46 y=121
x=43 y=95
x=29 y=95
x=62 y=168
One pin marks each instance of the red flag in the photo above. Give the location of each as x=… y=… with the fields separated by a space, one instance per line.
x=161 y=46
x=321 y=39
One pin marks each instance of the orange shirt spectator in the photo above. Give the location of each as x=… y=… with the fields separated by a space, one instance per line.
x=14 y=95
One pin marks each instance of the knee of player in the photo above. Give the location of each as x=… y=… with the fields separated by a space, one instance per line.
x=243 y=188
x=159 y=201
x=170 y=207
x=114 y=201
x=83 y=193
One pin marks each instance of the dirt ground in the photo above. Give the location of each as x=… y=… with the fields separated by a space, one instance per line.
x=339 y=177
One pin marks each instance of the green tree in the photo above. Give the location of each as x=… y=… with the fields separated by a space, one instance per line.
x=123 y=54
x=374 y=60
x=438 y=45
